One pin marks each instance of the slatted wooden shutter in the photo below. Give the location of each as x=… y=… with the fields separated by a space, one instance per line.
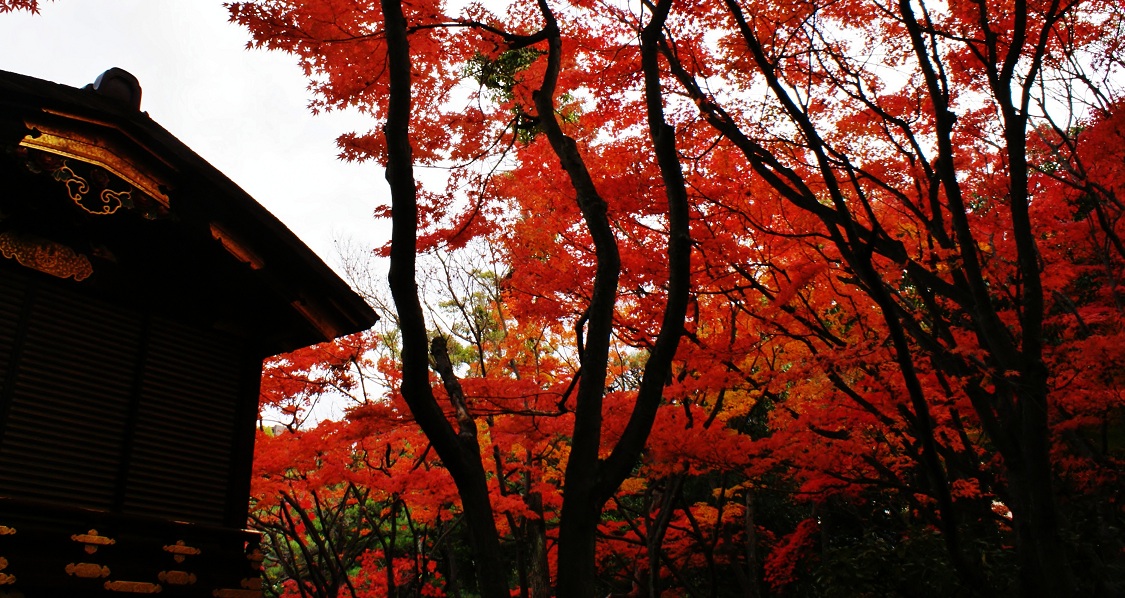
x=181 y=455
x=104 y=407
x=70 y=391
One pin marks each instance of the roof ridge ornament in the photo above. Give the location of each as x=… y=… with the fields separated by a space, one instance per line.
x=119 y=84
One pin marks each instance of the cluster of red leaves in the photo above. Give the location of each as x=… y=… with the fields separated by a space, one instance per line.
x=10 y=5
x=782 y=563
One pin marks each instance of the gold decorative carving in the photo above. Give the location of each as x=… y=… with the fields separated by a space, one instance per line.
x=6 y=579
x=3 y=563
x=92 y=540
x=176 y=578
x=76 y=186
x=95 y=150
x=102 y=204
x=230 y=593
x=181 y=550
x=7 y=531
x=110 y=198
x=134 y=587
x=87 y=570
x=45 y=256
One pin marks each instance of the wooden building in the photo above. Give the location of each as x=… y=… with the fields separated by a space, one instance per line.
x=140 y=290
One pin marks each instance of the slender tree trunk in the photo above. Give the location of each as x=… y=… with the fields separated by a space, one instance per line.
x=1043 y=560
x=589 y=480
x=1044 y=564
x=389 y=552
x=453 y=576
x=753 y=587
x=539 y=574
x=459 y=451
x=581 y=506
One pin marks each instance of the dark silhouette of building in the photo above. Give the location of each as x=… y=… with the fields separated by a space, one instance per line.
x=140 y=290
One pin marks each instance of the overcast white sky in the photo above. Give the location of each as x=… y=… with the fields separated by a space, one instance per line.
x=244 y=111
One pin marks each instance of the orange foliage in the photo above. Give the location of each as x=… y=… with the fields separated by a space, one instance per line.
x=881 y=271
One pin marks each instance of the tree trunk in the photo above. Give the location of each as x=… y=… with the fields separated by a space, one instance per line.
x=539 y=568
x=458 y=451
x=753 y=584
x=1043 y=561
x=577 y=555
x=590 y=480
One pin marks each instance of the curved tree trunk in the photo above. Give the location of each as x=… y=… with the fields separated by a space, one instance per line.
x=590 y=481
x=458 y=450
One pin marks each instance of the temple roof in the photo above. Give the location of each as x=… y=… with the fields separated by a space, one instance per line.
x=100 y=194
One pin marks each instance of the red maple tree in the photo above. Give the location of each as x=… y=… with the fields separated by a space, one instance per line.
x=845 y=271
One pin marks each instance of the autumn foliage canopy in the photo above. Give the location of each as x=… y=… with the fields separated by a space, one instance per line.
x=717 y=297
